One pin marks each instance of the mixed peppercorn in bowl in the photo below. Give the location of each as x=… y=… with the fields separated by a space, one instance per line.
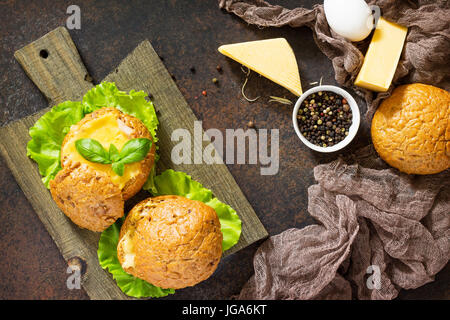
x=326 y=118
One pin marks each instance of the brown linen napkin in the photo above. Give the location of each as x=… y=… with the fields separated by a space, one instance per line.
x=395 y=222
x=424 y=59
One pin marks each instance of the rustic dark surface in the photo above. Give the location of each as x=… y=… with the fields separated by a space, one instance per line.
x=186 y=34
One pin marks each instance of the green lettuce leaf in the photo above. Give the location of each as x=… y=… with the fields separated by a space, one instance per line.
x=49 y=131
x=107 y=257
x=47 y=136
x=170 y=182
x=133 y=103
x=150 y=183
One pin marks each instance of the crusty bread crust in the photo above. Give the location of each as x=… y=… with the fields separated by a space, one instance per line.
x=138 y=130
x=176 y=242
x=87 y=197
x=411 y=129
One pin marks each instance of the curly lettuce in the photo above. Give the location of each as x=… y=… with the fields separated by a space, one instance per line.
x=47 y=136
x=49 y=131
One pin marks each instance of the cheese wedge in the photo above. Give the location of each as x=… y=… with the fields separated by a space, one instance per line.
x=272 y=58
x=382 y=56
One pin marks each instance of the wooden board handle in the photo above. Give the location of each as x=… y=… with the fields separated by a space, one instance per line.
x=54 y=65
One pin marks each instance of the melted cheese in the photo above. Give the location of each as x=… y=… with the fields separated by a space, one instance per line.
x=272 y=58
x=106 y=130
x=127 y=247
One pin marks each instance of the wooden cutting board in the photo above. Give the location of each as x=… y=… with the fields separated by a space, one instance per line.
x=54 y=65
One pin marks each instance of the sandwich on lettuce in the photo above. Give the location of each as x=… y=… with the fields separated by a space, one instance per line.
x=94 y=155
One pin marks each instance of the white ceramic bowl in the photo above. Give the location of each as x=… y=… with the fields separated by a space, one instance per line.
x=353 y=128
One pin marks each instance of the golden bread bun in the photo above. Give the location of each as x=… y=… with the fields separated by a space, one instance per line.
x=91 y=194
x=109 y=125
x=411 y=129
x=170 y=241
x=87 y=197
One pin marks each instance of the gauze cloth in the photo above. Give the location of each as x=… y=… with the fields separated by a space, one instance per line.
x=378 y=231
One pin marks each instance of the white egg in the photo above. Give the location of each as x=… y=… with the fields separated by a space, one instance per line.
x=351 y=19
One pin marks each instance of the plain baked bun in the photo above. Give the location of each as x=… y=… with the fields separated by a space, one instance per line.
x=87 y=197
x=170 y=241
x=411 y=129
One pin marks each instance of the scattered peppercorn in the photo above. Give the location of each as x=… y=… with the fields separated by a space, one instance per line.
x=215 y=81
x=219 y=68
x=204 y=93
x=324 y=118
x=193 y=69
x=251 y=124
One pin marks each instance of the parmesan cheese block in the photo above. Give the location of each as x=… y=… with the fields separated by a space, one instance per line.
x=382 y=56
x=272 y=58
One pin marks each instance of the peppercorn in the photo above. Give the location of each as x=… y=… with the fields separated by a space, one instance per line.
x=325 y=117
x=204 y=93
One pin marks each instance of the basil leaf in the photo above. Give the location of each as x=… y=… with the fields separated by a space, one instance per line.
x=92 y=150
x=113 y=153
x=118 y=168
x=135 y=150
